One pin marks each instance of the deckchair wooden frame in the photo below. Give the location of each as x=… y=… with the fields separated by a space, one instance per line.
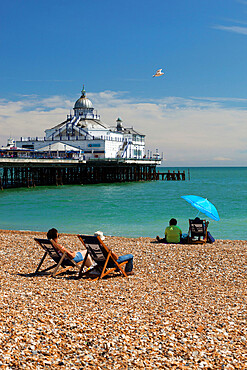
x=61 y=260
x=192 y=234
x=107 y=253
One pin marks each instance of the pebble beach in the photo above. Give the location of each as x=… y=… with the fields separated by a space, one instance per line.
x=185 y=308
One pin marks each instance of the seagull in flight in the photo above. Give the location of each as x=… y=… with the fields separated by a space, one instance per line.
x=158 y=73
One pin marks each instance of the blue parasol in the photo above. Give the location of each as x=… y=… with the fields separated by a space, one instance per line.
x=203 y=205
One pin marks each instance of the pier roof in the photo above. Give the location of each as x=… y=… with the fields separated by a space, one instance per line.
x=58 y=146
x=130 y=130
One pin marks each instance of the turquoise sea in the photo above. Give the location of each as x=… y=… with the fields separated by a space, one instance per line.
x=131 y=209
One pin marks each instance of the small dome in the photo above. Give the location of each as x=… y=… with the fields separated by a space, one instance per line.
x=83 y=102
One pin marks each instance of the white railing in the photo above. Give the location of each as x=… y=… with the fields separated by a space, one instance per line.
x=32 y=138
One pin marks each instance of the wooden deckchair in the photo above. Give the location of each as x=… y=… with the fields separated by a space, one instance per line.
x=198 y=231
x=101 y=255
x=61 y=259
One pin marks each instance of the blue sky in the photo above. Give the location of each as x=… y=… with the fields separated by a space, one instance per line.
x=196 y=113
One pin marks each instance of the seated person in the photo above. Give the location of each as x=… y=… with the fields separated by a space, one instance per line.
x=120 y=259
x=197 y=220
x=173 y=233
x=76 y=256
x=198 y=229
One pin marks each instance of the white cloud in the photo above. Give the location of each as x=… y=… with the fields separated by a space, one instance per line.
x=221 y=99
x=235 y=29
x=30 y=116
x=223 y=159
x=193 y=131
x=242 y=2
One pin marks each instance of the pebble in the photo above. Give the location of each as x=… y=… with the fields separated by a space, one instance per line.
x=185 y=308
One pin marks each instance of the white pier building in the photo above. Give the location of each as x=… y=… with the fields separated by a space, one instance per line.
x=85 y=134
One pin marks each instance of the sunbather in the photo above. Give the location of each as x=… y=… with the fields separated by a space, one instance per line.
x=77 y=256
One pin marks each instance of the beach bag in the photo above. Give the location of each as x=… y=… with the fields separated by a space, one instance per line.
x=184 y=238
x=210 y=238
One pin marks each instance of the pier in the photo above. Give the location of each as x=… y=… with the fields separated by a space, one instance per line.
x=81 y=150
x=171 y=176
x=19 y=172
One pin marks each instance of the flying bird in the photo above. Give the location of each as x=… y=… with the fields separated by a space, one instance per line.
x=158 y=73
